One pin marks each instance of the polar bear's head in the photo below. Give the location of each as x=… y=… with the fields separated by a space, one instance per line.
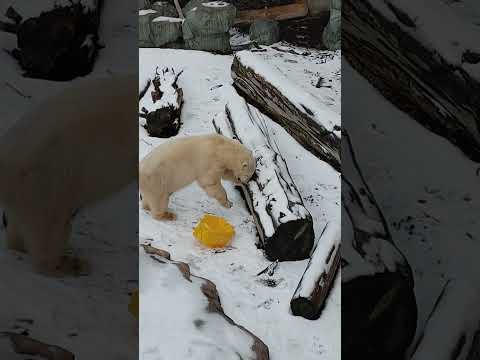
x=244 y=166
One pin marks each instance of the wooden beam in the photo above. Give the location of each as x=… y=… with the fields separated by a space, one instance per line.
x=282 y=12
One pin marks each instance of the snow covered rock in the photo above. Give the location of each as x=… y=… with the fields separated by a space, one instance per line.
x=265 y=32
x=191 y=315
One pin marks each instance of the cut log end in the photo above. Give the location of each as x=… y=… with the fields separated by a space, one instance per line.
x=303 y=307
x=280 y=245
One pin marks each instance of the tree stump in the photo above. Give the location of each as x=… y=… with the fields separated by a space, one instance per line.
x=379 y=312
x=144 y=28
x=60 y=44
x=207 y=26
x=161 y=104
x=315 y=127
x=165 y=30
x=317 y=280
x=284 y=225
x=265 y=32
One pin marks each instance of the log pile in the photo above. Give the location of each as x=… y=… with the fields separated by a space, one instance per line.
x=379 y=312
x=315 y=127
x=317 y=280
x=161 y=102
x=203 y=322
x=60 y=44
x=432 y=78
x=284 y=225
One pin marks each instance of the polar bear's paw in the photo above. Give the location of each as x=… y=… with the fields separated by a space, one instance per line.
x=226 y=203
x=73 y=266
x=166 y=215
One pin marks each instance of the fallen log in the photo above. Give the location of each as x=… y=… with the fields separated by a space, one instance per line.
x=379 y=312
x=27 y=346
x=296 y=9
x=315 y=127
x=161 y=104
x=435 y=79
x=60 y=44
x=317 y=280
x=284 y=225
x=453 y=325
x=175 y=284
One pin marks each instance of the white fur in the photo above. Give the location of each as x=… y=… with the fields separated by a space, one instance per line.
x=72 y=150
x=176 y=164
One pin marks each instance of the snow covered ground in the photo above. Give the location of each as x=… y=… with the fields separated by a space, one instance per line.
x=261 y=304
x=427 y=189
x=77 y=314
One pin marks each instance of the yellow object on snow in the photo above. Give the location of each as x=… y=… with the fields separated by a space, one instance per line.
x=214 y=231
x=134 y=303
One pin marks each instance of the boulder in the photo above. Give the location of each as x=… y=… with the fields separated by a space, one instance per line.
x=265 y=32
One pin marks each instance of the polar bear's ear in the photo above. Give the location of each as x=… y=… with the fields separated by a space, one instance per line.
x=244 y=164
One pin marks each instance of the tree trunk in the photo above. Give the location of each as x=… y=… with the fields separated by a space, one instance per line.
x=284 y=225
x=453 y=325
x=438 y=86
x=161 y=104
x=201 y=321
x=61 y=43
x=315 y=284
x=379 y=312
x=313 y=126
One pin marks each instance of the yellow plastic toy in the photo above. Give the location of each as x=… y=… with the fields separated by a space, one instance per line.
x=133 y=305
x=214 y=231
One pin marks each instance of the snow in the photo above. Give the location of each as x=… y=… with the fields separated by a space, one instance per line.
x=165 y=18
x=146 y=12
x=260 y=304
x=215 y=4
x=77 y=314
x=330 y=238
x=438 y=234
x=212 y=339
x=289 y=89
x=440 y=28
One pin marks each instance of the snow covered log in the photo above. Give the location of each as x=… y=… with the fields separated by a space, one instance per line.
x=379 y=312
x=315 y=127
x=316 y=282
x=453 y=324
x=423 y=58
x=27 y=346
x=161 y=104
x=194 y=328
x=61 y=43
x=284 y=225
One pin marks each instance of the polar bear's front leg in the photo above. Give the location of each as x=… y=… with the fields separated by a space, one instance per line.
x=159 y=208
x=216 y=191
x=45 y=239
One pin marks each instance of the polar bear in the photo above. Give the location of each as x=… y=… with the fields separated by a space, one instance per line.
x=75 y=148
x=203 y=158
